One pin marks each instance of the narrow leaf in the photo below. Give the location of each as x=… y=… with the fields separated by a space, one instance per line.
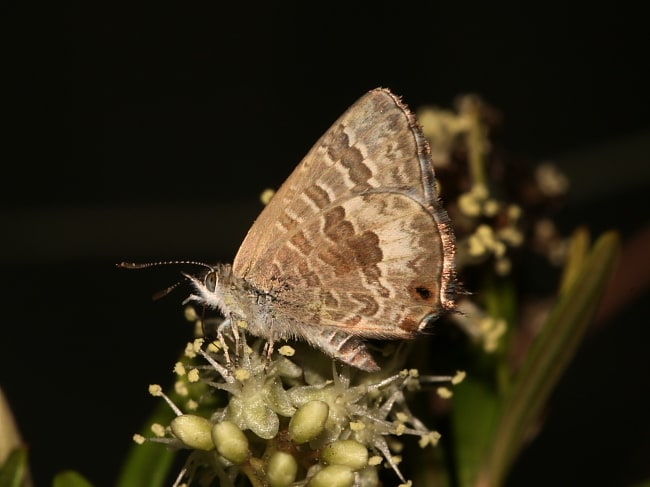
x=14 y=471
x=550 y=355
x=70 y=478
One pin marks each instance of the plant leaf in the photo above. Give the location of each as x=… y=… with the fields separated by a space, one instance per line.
x=69 y=478
x=551 y=353
x=14 y=471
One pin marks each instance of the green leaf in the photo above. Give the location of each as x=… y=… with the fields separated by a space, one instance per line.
x=578 y=253
x=14 y=472
x=149 y=464
x=551 y=352
x=69 y=478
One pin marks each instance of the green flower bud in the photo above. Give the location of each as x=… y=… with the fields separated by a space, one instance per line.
x=193 y=430
x=231 y=442
x=282 y=469
x=308 y=421
x=350 y=453
x=333 y=476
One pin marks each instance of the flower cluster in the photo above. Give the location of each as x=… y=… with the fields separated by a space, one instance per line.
x=279 y=419
x=500 y=209
x=280 y=422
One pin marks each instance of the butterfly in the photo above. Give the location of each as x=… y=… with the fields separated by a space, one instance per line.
x=354 y=245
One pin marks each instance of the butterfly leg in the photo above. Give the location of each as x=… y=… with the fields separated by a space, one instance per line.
x=269 y=347
x=224 y=324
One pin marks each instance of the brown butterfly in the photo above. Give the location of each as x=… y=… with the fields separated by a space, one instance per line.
x=355 y=244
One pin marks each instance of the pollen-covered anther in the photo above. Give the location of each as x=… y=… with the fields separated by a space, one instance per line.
x=486 y=324
x=193 y=375
x=401 y=416
x=375 y=460
x=180 y=388
x=190 y=313
x=469 y=205
x=480 y=191
x=511 y=235
x=493 y=329
x=242 y=374
x=158 y=430
x=267 y=195
x=197 y=345
x=287 y=351
x=476 y=247
x=503 y=266
x=444 y=392
x=179 y=369
x=499 y=248
x=458 y=377
x=550 y=180
x=491 y=207
x=484 y=240
x=430 y=439
x=189 y=351
x=514 y=212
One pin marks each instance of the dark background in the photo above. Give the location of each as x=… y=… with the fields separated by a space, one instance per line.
x=136 y=133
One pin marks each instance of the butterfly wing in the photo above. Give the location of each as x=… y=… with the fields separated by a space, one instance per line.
x=356 y=238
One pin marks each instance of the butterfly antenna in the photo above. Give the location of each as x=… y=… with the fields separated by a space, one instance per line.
x=164 y=292
x=145 y=265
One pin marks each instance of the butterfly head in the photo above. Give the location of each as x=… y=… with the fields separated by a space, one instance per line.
x=215 y=289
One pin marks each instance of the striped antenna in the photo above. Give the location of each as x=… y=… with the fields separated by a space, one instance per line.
x=144 y=265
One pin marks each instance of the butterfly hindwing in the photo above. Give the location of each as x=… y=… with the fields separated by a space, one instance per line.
x=355 y=237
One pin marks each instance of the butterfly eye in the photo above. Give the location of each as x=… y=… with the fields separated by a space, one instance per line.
x=210 y=281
